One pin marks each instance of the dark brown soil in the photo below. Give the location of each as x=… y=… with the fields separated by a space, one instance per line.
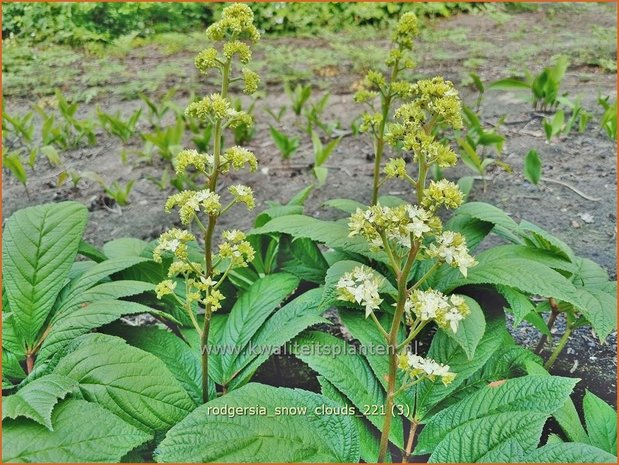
x=493 y=44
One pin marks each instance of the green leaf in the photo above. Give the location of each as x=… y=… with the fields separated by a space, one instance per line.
x=532 y=167
x=473 y=440
x=345 y=205
x=269 y=435
x=566 y=415
x=489 y=213
x=601 y=420
x=589 y=274
x=131 y=383
x=523 y=275
x=321 y=173
x=509 y=84
x=600 y=309
x=83 y=432
x=14 y=165
x=303 y=258
x=447 y=351
x=182 y=360
x=507 y=452
x=274 y=212
x=569 y=452
x=39 y=246
x=333 y=234
x=368 y=439
x=540 y=394
x=542 y=239
x=124 y=247
x=349 y=372
x=91 y=252
x=520 y=305
x=250 y=311
x=37 y=399
x=94 y=275
x=471 y=329
x=284 y=325
x=83 y=319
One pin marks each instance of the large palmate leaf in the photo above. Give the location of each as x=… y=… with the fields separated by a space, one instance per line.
x=249 y=434
x=37 y=399
x=335 y=360
x=38 y=248
x=83 y=432
x=541 y=394
x=84 y=319
x=473 y=440
x=250 y=311
x=283 y=326
x=569 y=452
x=131 y=383
x=601 y=420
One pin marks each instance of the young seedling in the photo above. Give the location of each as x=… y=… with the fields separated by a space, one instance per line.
x=287 y=145
x=321 y=155
x=117 y=126
x=609 y=119
x=201 y=209
x=533 y=167
x=474 y=146
x=277 y=115
x=298 y=96
x=13 y=163
x=158 y=110
x=387 y=89
x=168 y=141
x=544 y=87
x=21 y=126
x=555 y=126
x=115 y=191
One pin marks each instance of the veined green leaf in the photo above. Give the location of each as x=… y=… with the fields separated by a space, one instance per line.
x=39 y=245
x=284 y=325
x=471 y=329
x=600 y=309
x=124 y=247
x=368 y=439
x=303 y=258
x=532 y=167
x=131 y=383
x=473 y=440
x=601 y=420
x=93 y=276
x=250 y=311
x=447 y=351
x=520 y=305
x=182 y=360
x=83 y=432
x=540 y=394
x=335 y=360
x=37 y=399
x=269 y=435
x=569 y=452
x=83 y=319
x=333 y=234
x=589 y=274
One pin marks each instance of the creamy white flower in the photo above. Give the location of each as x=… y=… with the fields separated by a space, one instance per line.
x=360 y=286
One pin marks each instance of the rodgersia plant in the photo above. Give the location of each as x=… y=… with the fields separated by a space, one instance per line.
x=387 y=89
x=200 y=210
x=406 y=234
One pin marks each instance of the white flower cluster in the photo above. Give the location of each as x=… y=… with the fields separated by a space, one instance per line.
x=434 y=305
x=450 y=247
x=418 y=367
x=397 y=224
x=360 y=286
